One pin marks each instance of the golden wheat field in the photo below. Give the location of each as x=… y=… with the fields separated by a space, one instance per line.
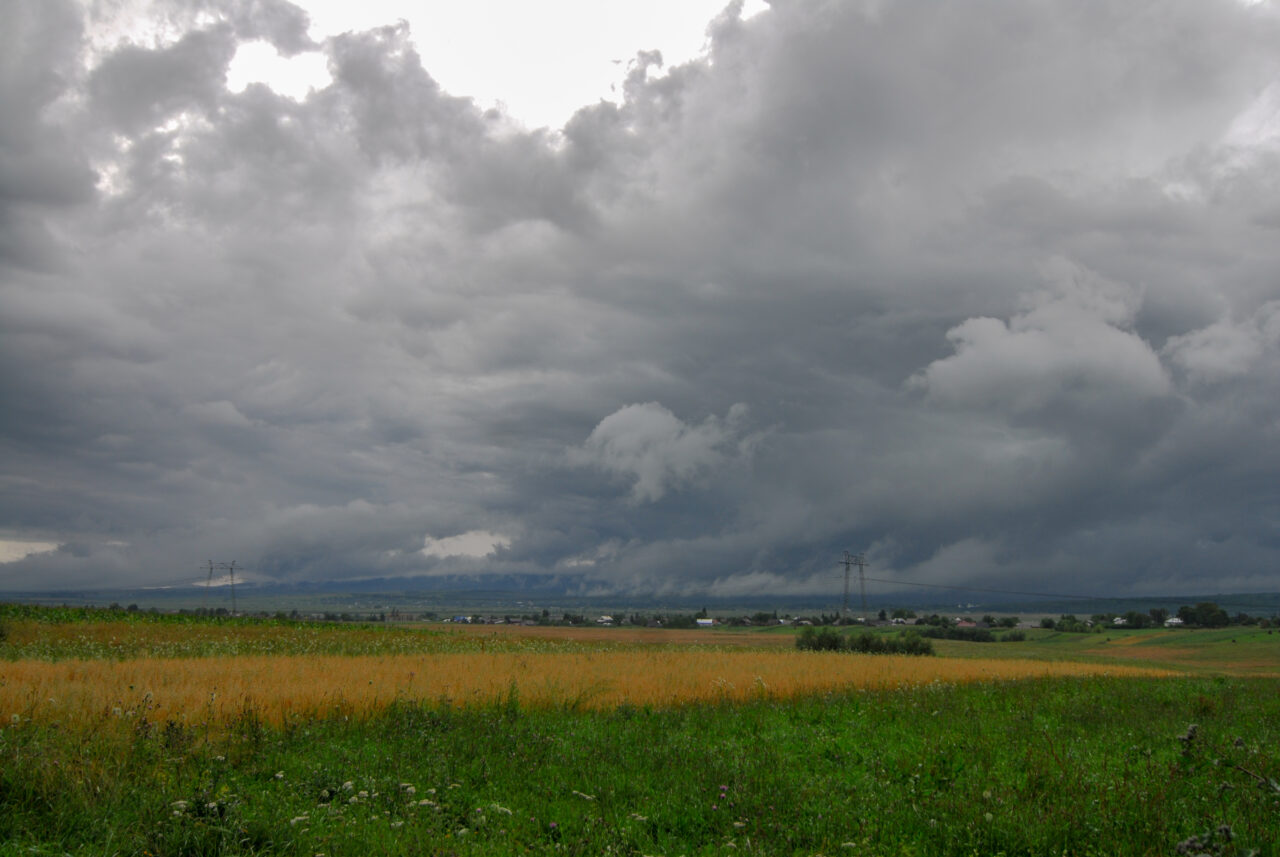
x=277 y=688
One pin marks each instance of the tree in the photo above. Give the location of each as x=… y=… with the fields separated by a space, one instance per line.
x=1210 y=615
x=1158 y=615
x=1134 y=619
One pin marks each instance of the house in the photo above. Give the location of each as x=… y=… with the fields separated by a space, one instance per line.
x=1173 y=622
x=705 y=623
x=1119 y=620
x=605 y=620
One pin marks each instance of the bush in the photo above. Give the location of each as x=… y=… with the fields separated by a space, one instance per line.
x=971 y=635
x=867 y=643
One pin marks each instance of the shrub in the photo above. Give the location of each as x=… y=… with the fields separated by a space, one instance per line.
x=866 y=643
x=826 y=640
x=972 y=635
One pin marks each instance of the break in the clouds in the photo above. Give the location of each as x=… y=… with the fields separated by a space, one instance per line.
x=988 y=292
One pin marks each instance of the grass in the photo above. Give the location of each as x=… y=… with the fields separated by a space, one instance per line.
x=1039 y=765
x=1236 y=651
x=1049 y=766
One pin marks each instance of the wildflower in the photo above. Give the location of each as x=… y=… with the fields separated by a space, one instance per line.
x=348 y=786
x=279 y=775
x=584 y=795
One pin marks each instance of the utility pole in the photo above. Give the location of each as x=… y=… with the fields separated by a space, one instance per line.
x=232 y=568
x=848 y=562
x=221 y=566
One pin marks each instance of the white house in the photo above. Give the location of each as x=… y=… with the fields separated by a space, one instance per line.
x=1172 y=622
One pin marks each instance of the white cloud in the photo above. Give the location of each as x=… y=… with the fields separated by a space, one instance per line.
x=12 y=550
x=1071 y=344
x=659 y=451
x=1226 y=349
x=473 y=543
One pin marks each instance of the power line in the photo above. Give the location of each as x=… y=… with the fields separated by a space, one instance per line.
x=985 y=589
x=1046 y=595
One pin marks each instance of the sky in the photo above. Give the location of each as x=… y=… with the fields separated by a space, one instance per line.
x=651 y=303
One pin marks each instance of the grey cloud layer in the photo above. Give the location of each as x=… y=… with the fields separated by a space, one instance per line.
x=990 y=293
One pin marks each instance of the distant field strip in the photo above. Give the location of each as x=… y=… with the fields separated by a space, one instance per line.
x=278 y=688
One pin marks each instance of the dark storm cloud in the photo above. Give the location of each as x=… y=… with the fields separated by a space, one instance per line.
x=987 y=292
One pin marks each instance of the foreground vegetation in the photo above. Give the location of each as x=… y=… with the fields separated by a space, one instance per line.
x=975 y=765
x=1065 y=766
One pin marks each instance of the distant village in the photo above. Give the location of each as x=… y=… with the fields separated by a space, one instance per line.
x=1202 y=615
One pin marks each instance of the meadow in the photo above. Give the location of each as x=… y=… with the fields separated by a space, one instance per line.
x=167 y=735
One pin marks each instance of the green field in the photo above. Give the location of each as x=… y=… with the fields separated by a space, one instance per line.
x=1082 y=766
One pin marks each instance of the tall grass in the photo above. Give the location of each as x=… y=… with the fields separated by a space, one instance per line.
x=215 y=690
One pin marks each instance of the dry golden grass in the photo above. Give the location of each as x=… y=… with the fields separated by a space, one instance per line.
x=215 y=690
